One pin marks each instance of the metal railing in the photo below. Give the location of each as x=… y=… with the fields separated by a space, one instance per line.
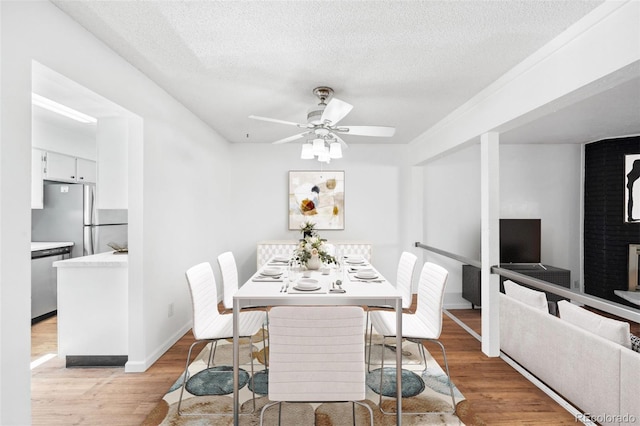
x=604 y=305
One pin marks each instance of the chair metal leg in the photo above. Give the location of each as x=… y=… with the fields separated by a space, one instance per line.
x=186 y=370
x=264 y=349
x=365 y=406
x=382 y=375
x=422 y=354
x=253 y=376
x=266 y=355
x=209 y=363
x=424 y=359
x=212 y=353
x=446 y=366
x=267 y=406
x=369 y=361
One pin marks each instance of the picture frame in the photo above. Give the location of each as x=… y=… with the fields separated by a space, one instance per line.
x=632 y=188
x=316 y=197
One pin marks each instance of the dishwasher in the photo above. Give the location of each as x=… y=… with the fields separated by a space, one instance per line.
x=44 y=283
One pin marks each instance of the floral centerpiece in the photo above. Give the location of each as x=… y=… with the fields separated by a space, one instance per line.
x=310 y=251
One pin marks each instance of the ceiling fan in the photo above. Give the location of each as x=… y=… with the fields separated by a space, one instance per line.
x=322 y=121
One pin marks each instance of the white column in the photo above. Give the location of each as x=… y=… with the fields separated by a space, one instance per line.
x=490 y=223
x=416 y=213
x=112 y=139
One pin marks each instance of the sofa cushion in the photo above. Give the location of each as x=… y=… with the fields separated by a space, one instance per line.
x=614 y=330
x=535 y=299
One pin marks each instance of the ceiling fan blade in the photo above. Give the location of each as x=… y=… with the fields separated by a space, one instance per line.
x=379 y=131
x=335 y=111
x=275 y=120
x=291 y=138
x=339 y=139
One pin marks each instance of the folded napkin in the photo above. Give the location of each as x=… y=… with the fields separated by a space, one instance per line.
x=264 y=278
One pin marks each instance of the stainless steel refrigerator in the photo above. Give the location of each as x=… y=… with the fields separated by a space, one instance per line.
x=70 y=214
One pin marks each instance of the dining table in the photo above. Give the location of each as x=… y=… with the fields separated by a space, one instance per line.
x=346 y=284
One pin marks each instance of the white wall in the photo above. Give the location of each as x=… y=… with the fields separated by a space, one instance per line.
x=50 y=137
x=177 y=167
x=544 y=181
x=377 y=180
x=452 y=214
x=536 y=181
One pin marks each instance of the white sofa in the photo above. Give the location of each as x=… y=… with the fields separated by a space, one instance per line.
x=597 y=376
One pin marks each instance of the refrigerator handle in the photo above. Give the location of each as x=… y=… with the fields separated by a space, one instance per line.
x=88 y=241
x=89 y=204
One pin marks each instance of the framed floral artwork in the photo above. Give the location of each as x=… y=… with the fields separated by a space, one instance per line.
x=316 y=197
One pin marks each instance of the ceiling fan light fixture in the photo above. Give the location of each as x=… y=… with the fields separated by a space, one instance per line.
x=307 y=151
x=324 y=157
x=335 y=150
x=318 y=146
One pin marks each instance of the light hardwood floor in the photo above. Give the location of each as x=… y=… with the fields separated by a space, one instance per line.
x=497 y=394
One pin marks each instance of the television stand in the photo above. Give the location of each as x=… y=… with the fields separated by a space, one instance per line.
x=471 y=288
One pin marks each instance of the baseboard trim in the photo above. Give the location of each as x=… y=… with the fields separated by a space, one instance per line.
x=80 y=361
x=133 y=366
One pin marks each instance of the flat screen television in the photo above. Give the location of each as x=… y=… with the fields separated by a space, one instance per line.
x=520 y=241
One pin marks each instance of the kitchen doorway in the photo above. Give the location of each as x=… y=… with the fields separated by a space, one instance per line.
x=86 y=150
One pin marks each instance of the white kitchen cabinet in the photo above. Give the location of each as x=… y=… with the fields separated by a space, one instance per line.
x=37 y=176
x=60 y=167
x=65 y=168
x=86 y=170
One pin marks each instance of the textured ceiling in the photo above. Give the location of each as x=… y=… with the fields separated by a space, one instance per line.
x=400 y=63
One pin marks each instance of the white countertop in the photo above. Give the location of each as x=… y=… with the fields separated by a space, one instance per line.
x=631 y=296
x=108 y=259
x=45 y=245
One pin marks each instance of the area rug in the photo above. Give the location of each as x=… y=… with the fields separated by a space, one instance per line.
x=210 y=390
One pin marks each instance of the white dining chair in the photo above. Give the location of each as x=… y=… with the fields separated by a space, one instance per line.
x=424 y=324
x=316 y=355
x=229 y=271
x=209 y=325
x=404 y=282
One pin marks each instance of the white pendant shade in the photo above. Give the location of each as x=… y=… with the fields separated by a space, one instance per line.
x=318 y=146
x=335 y=150
x=307 y=151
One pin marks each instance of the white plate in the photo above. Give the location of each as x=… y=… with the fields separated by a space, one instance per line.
x=280 y=259
x=271 y=271
x=306 y=288
x=366 y=276
x=355 y=261
x=307 y=284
